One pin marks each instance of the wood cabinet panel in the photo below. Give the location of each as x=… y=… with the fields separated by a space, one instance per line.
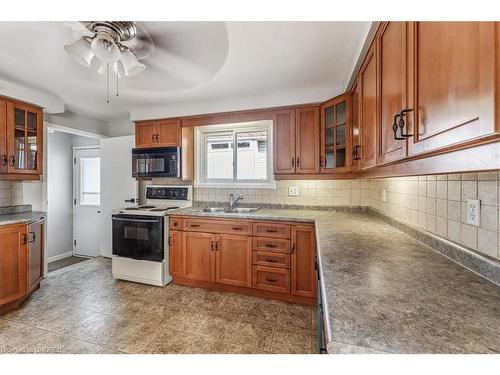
x=169 y=132
x=271 y=279
x=306 y=140
x=271 y=259
x=187 y=153
x=3 y=136
x=198 y=251
x=175 y=223
x=453 y=97
x=356 y=127
x=391 y=40
x=303 y=255
x=275 y=245
x=13 y=267
x=274 y=230
x=284 y=142
x=176 y=260
x=218 y=226
x=145 y=134
x=368 y=104
x=233 y=260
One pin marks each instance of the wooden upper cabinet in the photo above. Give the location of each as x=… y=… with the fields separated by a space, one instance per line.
x=391 y=42
x=169 y=132
x=355 y=126
x=284 y=142
x=233 y=260
x=454 y=67
x=198 y=256
x=368 y=109
x=335 y=139
x=158 y=133
x=145 y=134
x=24 y=139
x=303 y=253
x=4 y=159
x=13 y=267
x=306 y=140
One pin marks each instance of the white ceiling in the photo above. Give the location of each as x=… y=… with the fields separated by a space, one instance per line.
x=196 y=67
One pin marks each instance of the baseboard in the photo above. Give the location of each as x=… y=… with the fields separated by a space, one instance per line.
x=59 y=257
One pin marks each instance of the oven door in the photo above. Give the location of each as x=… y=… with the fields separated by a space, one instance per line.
x=156 y=162
x=138 y=237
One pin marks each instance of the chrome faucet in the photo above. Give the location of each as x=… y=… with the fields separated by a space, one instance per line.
x=232 y=202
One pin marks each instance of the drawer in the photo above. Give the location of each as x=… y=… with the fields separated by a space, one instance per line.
x=217 y=225
x=175 y=223
x=275 y=245
x=264 y=258
x=271 y=279
x=271 y=230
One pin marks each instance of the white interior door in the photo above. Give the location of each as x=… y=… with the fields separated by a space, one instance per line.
x=118 y=187
x=87 y=201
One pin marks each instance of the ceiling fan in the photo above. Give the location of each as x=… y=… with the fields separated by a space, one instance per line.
x=118 y=45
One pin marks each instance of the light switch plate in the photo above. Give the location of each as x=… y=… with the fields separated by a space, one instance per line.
x=383 y=195
x=293 y=191
x=473 y=211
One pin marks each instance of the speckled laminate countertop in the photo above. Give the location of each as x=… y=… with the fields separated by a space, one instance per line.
x=21 y=217
x=385 y=292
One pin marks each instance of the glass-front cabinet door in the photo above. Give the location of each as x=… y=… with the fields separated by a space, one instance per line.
x=335 y=135
x=24 y=138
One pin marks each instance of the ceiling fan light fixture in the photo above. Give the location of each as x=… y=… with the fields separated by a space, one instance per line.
x=105 y=48
x=113 y=69
x=81 y=52
x=131 y=65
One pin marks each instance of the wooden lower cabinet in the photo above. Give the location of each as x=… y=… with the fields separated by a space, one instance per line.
x=233 y=260
x=35 y=254
x=13 y=263
x=303 y=258
x=279 y=268
x=198 y=256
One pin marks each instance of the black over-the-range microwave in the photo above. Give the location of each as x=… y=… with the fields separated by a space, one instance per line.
x=156 y=162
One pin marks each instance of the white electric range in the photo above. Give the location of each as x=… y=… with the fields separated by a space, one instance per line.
x=140 y=235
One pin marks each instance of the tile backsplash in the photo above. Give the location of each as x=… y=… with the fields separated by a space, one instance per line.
x=11 y=193
x=438 y=204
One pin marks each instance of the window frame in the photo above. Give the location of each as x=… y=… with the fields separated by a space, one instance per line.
x=200 y=133
x=81 y=191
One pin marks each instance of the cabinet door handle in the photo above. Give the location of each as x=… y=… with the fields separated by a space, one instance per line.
x=271 y=280
x=12 y=161
x=217 y=246
x=271 y=260
x=237 y=228
x=271 y=245
x=170 y=241
x=153 y=138
x=293 y=162
x=212 y=243
x=271 y=231
x=5 y=160
x=321 y=161
x=33 y=239
x=298 y=162
x=402 y=123
x=157 y=138
x=25 y=238
x=293 y=249
x=194 y=225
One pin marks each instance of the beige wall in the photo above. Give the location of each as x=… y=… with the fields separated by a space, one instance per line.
x=438 y=205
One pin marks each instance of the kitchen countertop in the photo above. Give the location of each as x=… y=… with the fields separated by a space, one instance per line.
x=21 y=217
x=385 y=292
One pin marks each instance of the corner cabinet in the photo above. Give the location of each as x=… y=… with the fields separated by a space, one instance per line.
x=296 y=135
x=21 y=140
x=335 y=140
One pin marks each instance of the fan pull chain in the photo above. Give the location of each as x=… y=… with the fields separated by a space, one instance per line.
x=116 y=79
x=107 y=82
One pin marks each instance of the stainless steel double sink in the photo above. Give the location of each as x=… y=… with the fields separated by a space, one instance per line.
x=226 y=210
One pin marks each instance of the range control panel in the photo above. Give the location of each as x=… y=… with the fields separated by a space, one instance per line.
x=164 y=192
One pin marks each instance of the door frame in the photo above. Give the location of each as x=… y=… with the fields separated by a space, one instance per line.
x=80 y=148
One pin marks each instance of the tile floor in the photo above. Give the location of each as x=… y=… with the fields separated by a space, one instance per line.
x=58 y=264
x=82 y=309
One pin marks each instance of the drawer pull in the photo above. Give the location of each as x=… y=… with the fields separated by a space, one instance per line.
x=271 y=260
x=237 y=228
x=194 y=225
x=271 y=231
x=271 y=280
x=271 y=245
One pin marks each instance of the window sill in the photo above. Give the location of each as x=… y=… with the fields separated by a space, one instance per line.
x=235 y=185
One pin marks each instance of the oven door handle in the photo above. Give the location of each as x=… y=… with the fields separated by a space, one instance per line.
x=136 y=220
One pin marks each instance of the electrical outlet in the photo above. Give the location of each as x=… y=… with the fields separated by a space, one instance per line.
x=383 y=195
x=293 y=191
x=473 y=211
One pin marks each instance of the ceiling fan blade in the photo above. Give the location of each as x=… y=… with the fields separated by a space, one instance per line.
x=142 y=45
x=77 y=28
